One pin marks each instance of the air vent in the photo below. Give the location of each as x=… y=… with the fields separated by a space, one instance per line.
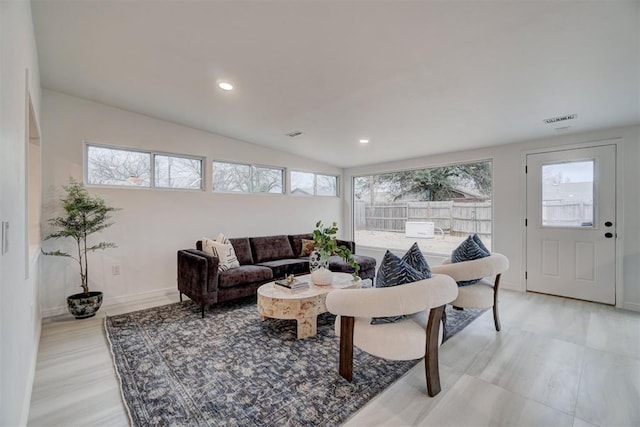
x=560 y=118
x=294 y=134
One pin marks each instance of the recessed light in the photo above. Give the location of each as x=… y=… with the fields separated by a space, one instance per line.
x=364 y=141
x=225 y=85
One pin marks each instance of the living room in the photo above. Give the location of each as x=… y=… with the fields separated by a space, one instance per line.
x=153 y=223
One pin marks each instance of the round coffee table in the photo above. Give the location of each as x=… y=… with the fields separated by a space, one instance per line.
x=303 y=306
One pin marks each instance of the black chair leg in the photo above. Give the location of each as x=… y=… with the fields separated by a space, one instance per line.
x=202 y=310
x=180 y=296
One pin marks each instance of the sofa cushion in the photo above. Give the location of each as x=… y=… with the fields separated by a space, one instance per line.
x=284 y=267
x=296 y=242
x=243 y=275
x=270 y=248
x=243 y=250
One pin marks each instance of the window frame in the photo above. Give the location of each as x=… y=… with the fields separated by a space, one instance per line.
x=252 y=167
x=152 y=167
x=315 y=184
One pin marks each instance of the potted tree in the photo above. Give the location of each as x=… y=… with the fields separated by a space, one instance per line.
x=84 y=216
x=325 y=245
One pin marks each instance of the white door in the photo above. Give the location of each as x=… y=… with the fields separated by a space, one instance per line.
x=571 y=223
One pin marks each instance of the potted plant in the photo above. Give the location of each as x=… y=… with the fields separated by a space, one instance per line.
x=325 y=245
x=84 y=216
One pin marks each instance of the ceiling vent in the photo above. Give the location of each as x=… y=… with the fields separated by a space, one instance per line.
x=560 y=119
x=294 y=134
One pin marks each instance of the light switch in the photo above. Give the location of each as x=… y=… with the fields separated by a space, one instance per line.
x=5 y=237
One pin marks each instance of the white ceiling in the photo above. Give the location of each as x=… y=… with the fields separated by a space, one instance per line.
x=416 y=78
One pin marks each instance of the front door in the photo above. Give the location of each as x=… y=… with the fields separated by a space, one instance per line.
x=571 y=223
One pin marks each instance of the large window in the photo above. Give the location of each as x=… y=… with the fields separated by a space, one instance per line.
x=436 y=207
x=311 y=184
x=134 y=168
x=246 y=178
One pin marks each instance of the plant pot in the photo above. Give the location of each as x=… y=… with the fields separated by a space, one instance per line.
x=84 y=305
x=322 y=276
x=316 y=261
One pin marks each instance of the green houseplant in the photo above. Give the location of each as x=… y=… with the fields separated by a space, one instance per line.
x=325 y=243
x=83 y=216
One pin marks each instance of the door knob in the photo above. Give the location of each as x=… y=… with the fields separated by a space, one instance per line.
x=608 y=235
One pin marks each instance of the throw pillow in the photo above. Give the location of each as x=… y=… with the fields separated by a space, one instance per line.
x=224 y=251
x=394 y=271
x=416 y=259
x=476 y=239
x=468 y=251
x=307 y=247
x=222 y=239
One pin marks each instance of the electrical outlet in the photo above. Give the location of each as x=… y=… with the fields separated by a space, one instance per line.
x=115 y=270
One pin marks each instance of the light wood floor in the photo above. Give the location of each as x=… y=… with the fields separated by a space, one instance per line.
x=557 y=362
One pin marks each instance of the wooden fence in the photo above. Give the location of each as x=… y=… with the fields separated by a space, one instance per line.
x=456 y=218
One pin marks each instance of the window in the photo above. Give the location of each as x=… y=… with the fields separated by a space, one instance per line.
x=245 y=178
x=567 y=194
x=311 y=184
x=134 y=168
x=436 y=207
x=178 y=172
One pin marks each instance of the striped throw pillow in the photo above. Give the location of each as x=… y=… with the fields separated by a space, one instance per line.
x=416 y=259
x=468 y=251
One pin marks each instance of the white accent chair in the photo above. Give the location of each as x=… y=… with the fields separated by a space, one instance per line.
x=483 y=294
x=411 y=338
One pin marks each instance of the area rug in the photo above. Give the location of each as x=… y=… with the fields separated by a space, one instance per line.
x=231 y=369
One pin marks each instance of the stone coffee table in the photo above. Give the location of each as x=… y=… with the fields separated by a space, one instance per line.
x=303 y=306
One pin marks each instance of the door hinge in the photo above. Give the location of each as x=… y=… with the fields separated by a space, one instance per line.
x=525 y=275
x=526 y=169
x=525 y=222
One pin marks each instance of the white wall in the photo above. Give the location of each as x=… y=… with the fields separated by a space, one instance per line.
x=509 y=203
x=19 y=311
x=154 y=224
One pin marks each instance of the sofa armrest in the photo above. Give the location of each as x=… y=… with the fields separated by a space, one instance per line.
x=348 y=243
x=197 y=272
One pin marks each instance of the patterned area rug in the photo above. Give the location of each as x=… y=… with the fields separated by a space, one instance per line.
x=231 y=369
x=457 y=320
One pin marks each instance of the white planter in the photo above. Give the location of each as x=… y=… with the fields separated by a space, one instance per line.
x=322 y=277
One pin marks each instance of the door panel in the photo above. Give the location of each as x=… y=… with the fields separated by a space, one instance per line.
x=571 y=199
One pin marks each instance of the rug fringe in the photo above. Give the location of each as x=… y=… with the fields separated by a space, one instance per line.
x=115 y=367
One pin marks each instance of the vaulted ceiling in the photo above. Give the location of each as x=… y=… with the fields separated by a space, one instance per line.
x=416 y=78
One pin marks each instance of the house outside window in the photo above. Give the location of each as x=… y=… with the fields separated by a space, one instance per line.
x=312 y=184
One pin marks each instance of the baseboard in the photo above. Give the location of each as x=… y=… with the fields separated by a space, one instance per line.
x=26 y=401
x=631 y=306
x=111 y=301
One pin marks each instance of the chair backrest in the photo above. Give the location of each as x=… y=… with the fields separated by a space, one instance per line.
x=492 y=265
x=393 y=301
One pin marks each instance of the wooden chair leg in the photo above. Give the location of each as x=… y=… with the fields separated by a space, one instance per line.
x=180 y=296
x=431 y=352
x=496 y=316
x=345 y=367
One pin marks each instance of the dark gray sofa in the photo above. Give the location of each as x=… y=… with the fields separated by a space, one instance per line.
x=262 y=259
